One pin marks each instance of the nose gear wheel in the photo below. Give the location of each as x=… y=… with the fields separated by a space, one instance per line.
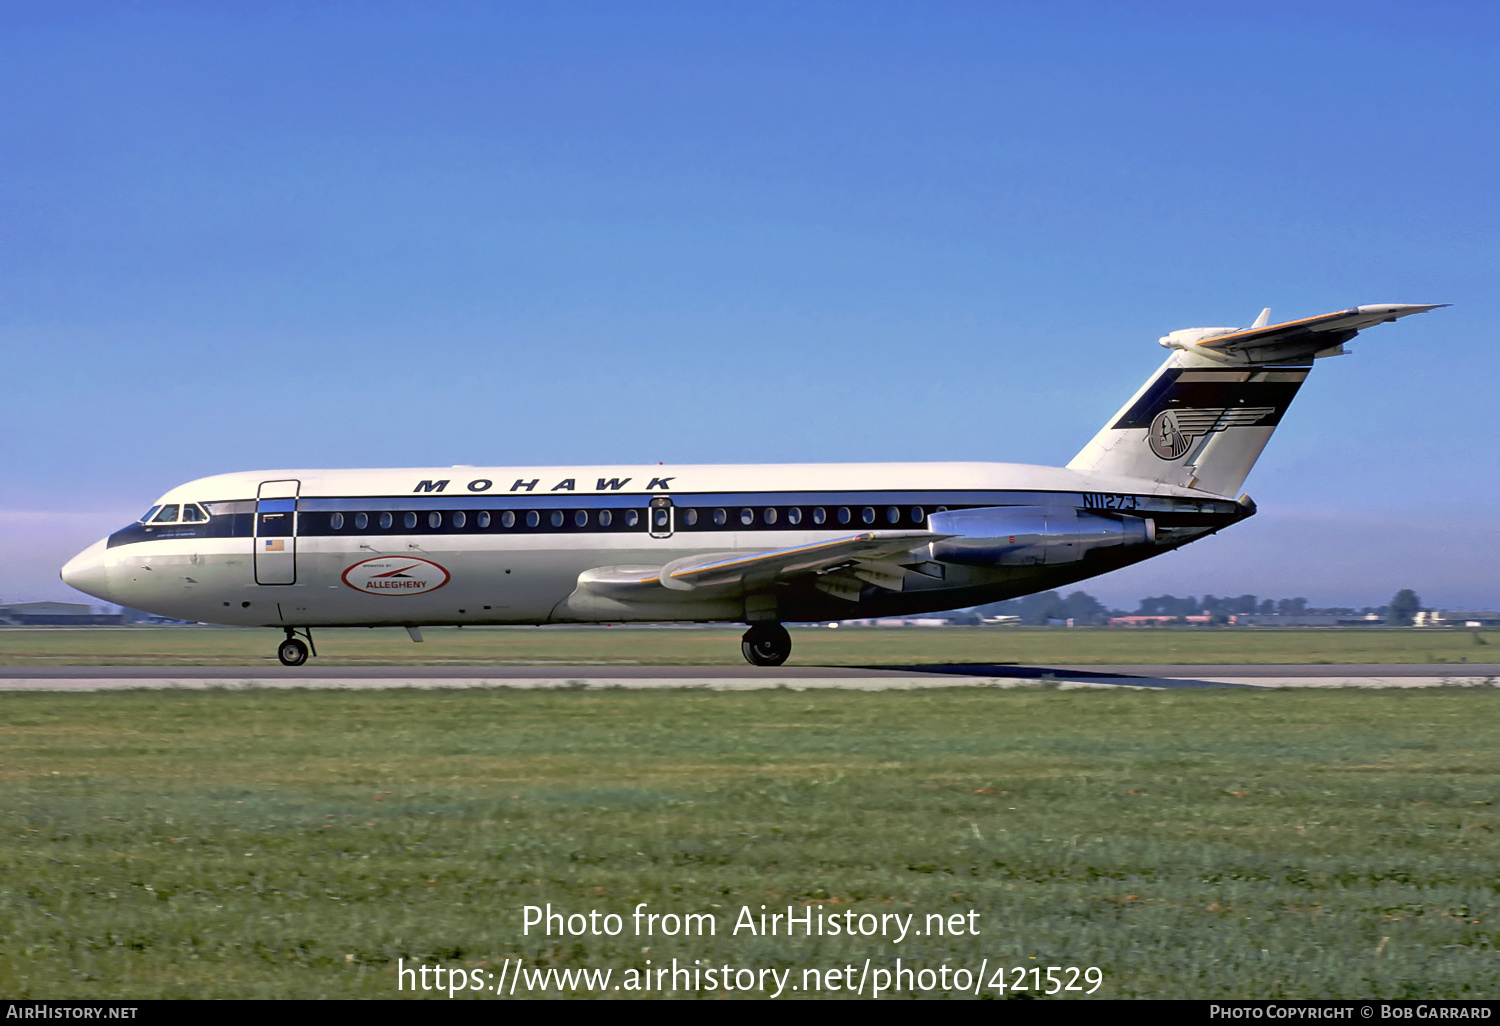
x=293 y=651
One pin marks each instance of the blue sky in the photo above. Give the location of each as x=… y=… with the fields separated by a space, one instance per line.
x=239 y=236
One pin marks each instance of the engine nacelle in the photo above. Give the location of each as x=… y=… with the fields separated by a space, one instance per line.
x=1031 y=535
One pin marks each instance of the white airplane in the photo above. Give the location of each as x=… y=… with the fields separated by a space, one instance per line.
x=759 y=545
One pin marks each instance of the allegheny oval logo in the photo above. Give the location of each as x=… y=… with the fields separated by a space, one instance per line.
x=389 y=575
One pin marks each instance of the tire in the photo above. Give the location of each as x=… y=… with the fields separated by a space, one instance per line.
x=292 y=652
x=766 y=644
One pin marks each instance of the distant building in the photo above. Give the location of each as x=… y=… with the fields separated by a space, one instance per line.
x=1459 y=618
x=56 y=614
x=1157 y=621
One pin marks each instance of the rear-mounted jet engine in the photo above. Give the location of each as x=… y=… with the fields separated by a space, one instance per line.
x=1031 y=535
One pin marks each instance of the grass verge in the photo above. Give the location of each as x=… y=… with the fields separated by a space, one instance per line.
x=1189 y=844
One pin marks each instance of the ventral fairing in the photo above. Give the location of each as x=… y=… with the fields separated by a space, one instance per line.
x=760 y=545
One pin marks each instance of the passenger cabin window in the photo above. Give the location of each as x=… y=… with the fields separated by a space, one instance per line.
x=658 y=518
x=168 y=515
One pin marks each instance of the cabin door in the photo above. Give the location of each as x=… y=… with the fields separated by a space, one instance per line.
x=276 y=532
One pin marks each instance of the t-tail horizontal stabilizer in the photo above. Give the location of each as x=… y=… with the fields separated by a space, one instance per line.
x=1294 y=340
x=1203 y=418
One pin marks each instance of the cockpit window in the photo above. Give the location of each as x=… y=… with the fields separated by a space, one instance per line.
x=146 y=516
x=168 y=515
x=193 y=514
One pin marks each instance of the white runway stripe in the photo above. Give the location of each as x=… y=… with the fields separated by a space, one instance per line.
x=713 y=683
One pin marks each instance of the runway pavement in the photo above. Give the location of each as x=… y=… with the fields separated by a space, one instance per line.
x=742 y=678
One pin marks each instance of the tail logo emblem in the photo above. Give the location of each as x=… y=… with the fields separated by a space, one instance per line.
x=1172 y=431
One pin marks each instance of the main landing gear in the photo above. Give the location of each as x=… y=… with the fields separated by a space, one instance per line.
x=766 y=644
x=292 y=651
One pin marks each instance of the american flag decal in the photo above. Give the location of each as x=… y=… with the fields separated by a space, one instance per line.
x=275 y=545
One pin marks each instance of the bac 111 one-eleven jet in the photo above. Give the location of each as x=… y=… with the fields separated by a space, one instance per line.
x=759 y=545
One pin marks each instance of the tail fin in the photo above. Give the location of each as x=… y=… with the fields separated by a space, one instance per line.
x=1203 y=418
x=1195 y=424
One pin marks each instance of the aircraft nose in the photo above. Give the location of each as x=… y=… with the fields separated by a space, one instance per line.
x=87 y=572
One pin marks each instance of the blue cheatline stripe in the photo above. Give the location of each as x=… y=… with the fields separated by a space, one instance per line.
x=611 y=500
x=316 y=516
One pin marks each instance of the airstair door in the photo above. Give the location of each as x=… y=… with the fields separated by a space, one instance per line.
x=276 y=532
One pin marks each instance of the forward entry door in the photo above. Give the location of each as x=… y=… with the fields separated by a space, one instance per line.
x=276 y=532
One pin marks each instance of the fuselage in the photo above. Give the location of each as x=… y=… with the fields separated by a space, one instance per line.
x=508 y=545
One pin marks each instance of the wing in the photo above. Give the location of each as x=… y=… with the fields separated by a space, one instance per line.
x=1299 y=340
x=758 y=568
x=861 y=555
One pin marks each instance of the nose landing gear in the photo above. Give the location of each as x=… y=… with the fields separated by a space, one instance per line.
x=292 y=652
x=766 y=644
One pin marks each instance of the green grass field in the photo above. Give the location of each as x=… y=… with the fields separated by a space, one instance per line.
x=201 y=646
x=1188 y=844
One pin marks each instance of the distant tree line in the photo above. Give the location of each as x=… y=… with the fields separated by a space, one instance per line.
x=1083 y=609
x=1036 y=610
